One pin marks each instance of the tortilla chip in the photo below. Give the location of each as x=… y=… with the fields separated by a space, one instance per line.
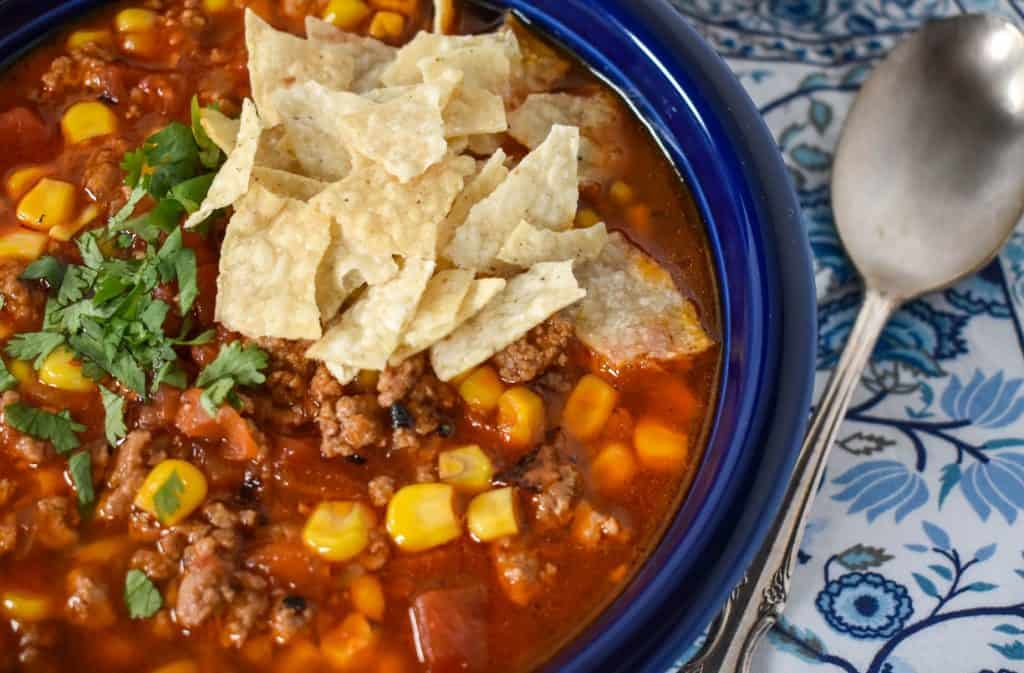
x=276 y=151
x=437 y=313
x=320 y=156
x=220 y=128
x=485 y=145
x=368 y=333
x=541 y=66
x=279 y=60
x=370 y=56
x=542 y=190
x=342 y=374
x=527 y=300
x=343 y=271
x=528 y=245
x=232 y=179
x=480 y=294
x=283 y=183
x=444 y=16
x=266 y=286
x=382 y=216
x=633 y=310
x=472 y=110
x=492 y=174
x=487 y=64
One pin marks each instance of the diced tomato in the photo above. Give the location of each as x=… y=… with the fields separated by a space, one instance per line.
x=291 y=564
x=21 y=131
x=242 y=443
x=164 y=404
x=451 y=629
x=193 y=421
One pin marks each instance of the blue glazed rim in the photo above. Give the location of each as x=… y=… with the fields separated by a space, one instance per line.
x=717 y=140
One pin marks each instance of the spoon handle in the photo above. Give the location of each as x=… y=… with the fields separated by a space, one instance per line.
x=757 y=603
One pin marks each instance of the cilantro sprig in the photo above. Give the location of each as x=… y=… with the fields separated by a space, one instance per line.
x=235 y=365
x=58 y=428
x=141 y=595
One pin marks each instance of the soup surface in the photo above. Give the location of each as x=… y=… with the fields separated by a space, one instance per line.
x=190 y=481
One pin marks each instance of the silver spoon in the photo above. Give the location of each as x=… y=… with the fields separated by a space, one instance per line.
x=926 y=188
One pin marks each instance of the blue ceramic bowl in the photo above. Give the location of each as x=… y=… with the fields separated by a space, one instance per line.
x=715 y=137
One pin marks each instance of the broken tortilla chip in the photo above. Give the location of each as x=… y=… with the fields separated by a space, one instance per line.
x=527 y=245
x=370 y=56
x=283 y=183
x=436 y=314
x=472 y=110
x=492 y=173
x=527 y=300
x=488 y=63
x=343 y=271
x=221 y=129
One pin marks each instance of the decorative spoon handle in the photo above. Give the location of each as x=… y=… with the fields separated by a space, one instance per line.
x=757 y=603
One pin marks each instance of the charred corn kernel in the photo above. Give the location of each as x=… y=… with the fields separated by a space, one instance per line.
x=481 y=390
x=216 y=6
x=588 y=407
x=135 y=20
x=80 y=38
x=88 y=119
x=587 y=217
x=181 y=666
x=22 y=244
x=48 y=204
x=346 y=14
x=368 y=596
x=521 y=418
x=22 y=371
x=621 y=193
x=65 y=232
x=467 y=468
x=350 y=645
x=172 y=490
x=25 y=606
x=387 y=26
x=614 y=468
x=493 y=515
x=407 y=7
x=659 y=447
x=422 y=516
x=61 y=370
x=339 y=530
x=22 y=179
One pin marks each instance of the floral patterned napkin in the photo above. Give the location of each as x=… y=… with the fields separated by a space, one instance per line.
x=912 y=561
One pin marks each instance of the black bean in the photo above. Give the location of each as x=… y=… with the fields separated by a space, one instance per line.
x=401 y=418
x=356 y=459
x=446 y=429
x=294 y=603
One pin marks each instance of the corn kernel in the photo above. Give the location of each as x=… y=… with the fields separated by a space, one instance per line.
x=49 y=203
x=216 y=6
x=659 y=447
x=22 y=244
x=466 y=468
x=61 y=370
x=172 y=490
x=65 y=232
x=22 y=179
x=140 y=44
x=521 y=417
x=368 y=596
x=481 y=390
x=350 y=645
x=407 y=7
x=387 y=26
x=621 y=193
x=422 y=516
x=588 y=407
x=26 y=607
x=614 y=468
x=134 y=19
x=180 y=666
x=88 y=119
x=492 y=515
x=22 y=371
x=587 y=217
x=339 y=530
x=346 y=14
x=80 y=38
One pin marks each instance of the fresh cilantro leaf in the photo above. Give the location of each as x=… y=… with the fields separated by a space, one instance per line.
x=141 y=595
x=162 y=218
x=46 y=268
x=188 y=287
x=170 y=374
x=209 y=153
x=203 y=338
x=243 y=364
x=57 y=428
x=118 y=219
x=167 y=499
x=89 y=248
x=113 y=420
x=77 y=281
x=153 y=315
x=214 y=395
x=191 y=193
x=80 y=467
x=7 y=379
x=33 y=346
x=172 y=155
x=133 y=165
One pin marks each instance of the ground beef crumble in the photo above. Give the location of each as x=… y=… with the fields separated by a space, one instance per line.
x=417 y=400
x=550 y=476
x=136 y=454
x=541 y=348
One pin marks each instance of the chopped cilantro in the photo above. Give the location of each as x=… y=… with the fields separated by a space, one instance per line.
x=214 y=395
x=113 y=409
x=209 y=153
x=167 y=499
x=191 y=193
x=141 y=595
x=89 y=248
x=118 y=219
x=57 y=428
x=46 y=268
x=7 y=379
x=80 y=467
x=235 y=365
x=33 y=346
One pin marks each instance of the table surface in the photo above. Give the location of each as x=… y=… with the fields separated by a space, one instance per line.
x=912 y=562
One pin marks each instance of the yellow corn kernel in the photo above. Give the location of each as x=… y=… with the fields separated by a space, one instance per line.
x=88 y=119
x=346 y=14
x=493 y=515
x=481 y=390
x=22 y=244
x=61 y=370
x=407 y=7
x=350 y=645
x=134 y=20
x=106 y=550
x=140 y=44
x=659 y=447
x=65 y=232
x=387 y=26
x=22 y=371
x=614 y=468
x=22 y=179
x=80 y=38
x=339 y=530
x=521 y=417
x=621 y=193
x=588 y=407
x=587 y=217
x=368 y=596
x=172 y=490
x=422 y=516
x=48 y=204
x=467 y=468
x=217 y=6
x=26 y=607
x=180 y=666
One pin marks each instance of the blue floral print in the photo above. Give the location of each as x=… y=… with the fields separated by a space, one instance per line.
x=865 y=605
